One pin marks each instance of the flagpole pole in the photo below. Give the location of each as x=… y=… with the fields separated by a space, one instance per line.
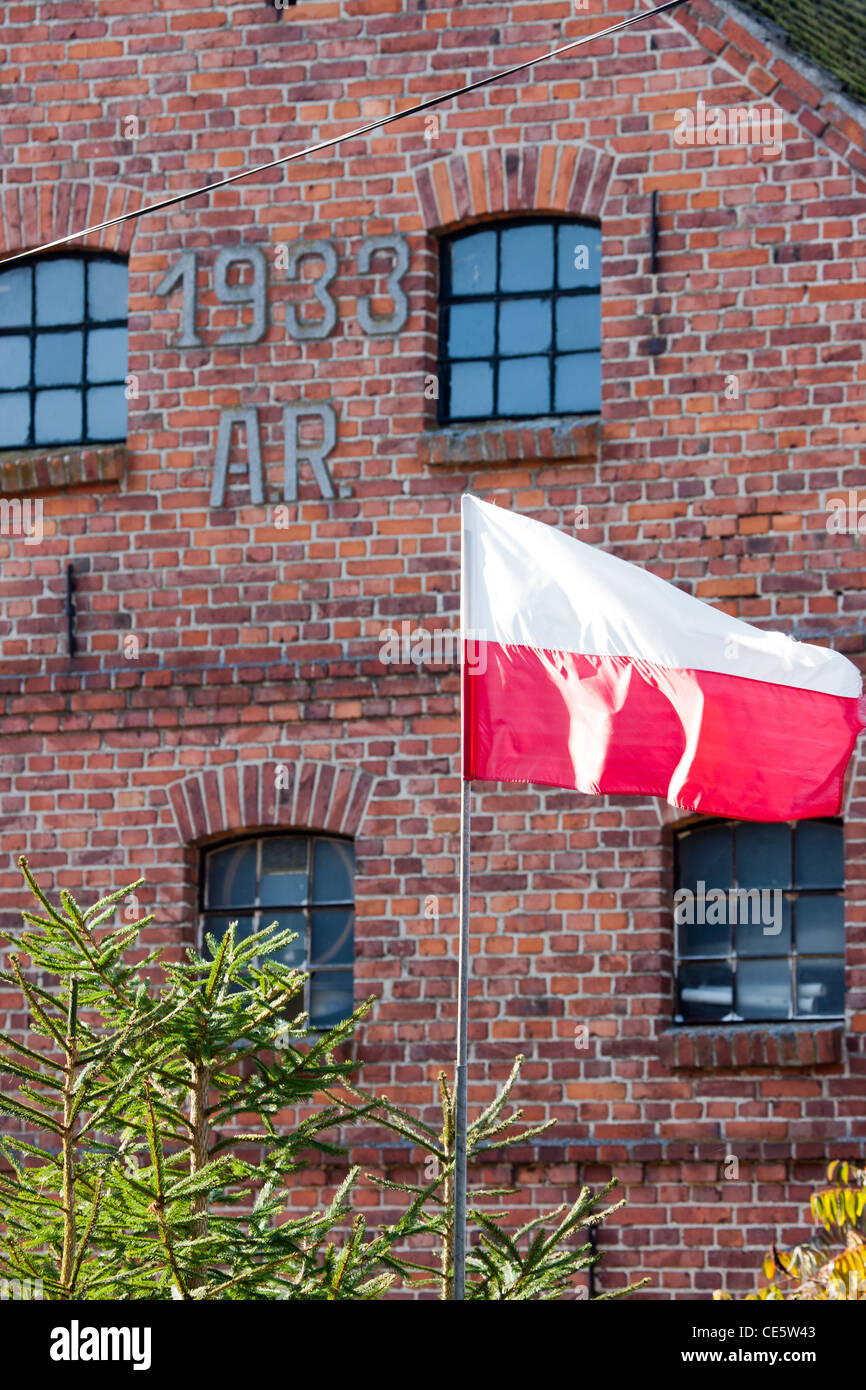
x=458 y=1293
x=460 y=1120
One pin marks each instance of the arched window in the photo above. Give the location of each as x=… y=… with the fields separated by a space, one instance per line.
x=520 y=320
x=63 y=351
x=759 y=921
x=306 y=884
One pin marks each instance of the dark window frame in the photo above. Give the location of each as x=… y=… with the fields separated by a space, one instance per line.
x=447 y=300
x=732 y=957
x=264 y=914
x=84 y=325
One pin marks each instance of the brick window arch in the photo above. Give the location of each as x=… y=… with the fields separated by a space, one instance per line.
x=238 y=798
x=570 y=179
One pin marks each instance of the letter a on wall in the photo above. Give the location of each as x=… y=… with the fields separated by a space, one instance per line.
x=249 y=417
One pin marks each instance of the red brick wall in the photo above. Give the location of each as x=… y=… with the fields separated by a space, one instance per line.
x=258 y=644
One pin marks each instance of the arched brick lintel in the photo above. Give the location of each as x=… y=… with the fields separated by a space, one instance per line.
x=480 y=183
x=33 y=214
x=243 y=797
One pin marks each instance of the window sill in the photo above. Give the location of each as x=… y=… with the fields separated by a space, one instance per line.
x=756 y=1045
x=512 y=441
x=41 y=470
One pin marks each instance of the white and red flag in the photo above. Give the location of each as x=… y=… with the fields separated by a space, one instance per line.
x=585 y=671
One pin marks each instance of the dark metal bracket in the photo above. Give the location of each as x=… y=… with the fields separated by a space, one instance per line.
x=654 y=233
x=71 y=643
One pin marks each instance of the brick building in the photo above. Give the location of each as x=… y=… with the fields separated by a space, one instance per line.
x=577 y=292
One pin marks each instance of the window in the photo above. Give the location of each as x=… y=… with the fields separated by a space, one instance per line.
x=303 y=882
x=759 y=921
x=520 y=321
x=63 y=351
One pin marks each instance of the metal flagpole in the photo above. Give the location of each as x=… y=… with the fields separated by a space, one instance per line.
x=459 y=1286
x=462 y=1041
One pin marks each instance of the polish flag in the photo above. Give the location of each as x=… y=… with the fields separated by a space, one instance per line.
x=584 y=671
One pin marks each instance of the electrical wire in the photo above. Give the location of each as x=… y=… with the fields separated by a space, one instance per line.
x=340 y=139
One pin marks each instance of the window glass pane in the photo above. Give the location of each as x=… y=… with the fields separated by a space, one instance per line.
x=58 y=359
x=706 y=855
x=820 y=924
x=333 y=936
x=578 y=256
x=706 y=992
x=284 y=880
x=60 y=291
x=282 y=854
x=106 y=354
x=15 y=297
x=818 y=855
x=331 y=997
x=471 y=330
x=763 y=854
x=333 y=871
x=231 y=875
x=524 y=326
x=14 y=419
x=578 y=322
x=703 y=938
x=524 y=386
x=58 y=417
x=284 y=890
x=107 y=289
x=217 y=923
x=473 y=264
x=821 y=988
x=578 y=384
x=323 y=936
x=471 y=389
x=758 y=916
x=788 y=945
x=764 y=988
x=526 y=258
x=106 y=412
x=62 y=358
x=14 y=362
x=525 y=266
x=295 y=954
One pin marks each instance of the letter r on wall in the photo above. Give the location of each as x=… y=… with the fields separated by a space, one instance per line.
x=313 y=453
